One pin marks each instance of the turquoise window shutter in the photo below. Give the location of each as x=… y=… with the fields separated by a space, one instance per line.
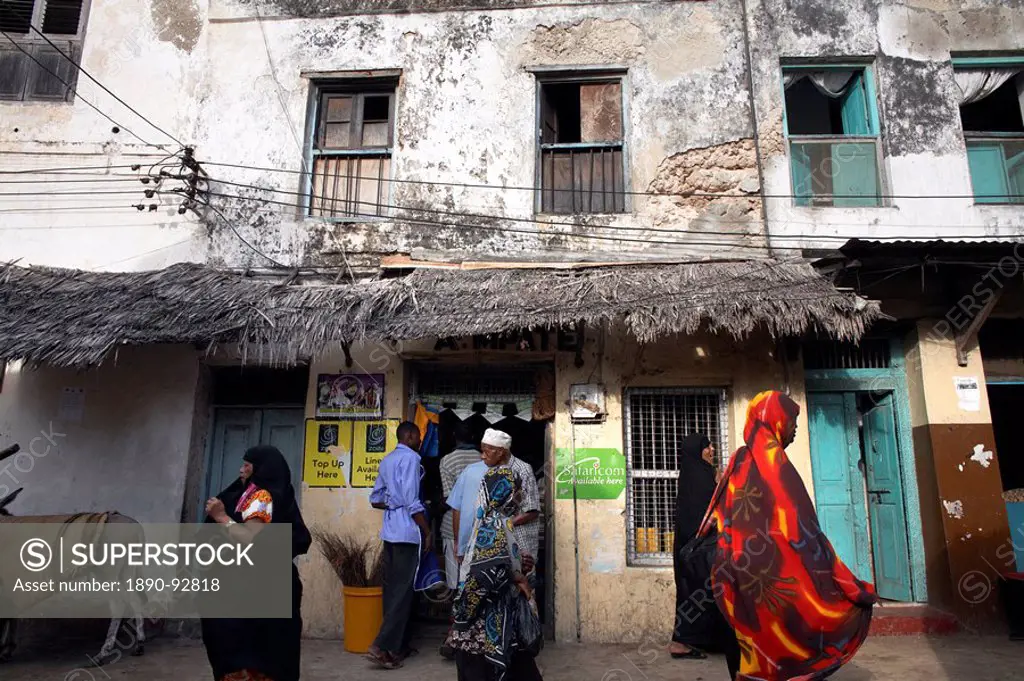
x=988 y=172
x=855 y=108
x=855 y=174
x=801 y=170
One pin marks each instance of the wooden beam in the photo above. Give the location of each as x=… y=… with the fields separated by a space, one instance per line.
x=964 y=337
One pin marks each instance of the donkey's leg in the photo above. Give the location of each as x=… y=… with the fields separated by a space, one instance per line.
x=8 y=638
x=109 y=643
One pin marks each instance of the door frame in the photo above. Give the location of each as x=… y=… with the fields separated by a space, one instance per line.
x=892 y=379
x=210 y=436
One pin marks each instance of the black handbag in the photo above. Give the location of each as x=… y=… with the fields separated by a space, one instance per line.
x=528 y=631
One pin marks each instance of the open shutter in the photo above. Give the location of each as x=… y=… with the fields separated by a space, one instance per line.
x=800 y=159
x=988 y=172
x=856 y=120
x=855 y=174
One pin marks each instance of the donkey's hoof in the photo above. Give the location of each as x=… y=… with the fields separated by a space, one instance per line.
x=139 y=650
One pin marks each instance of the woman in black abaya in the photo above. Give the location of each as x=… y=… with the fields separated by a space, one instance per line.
x=259 y=649
x=697 y=624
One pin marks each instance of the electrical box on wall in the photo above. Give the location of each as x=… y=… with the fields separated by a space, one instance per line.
x=587 y=402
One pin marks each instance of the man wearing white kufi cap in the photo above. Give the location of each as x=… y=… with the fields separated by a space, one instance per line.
x=496 y=447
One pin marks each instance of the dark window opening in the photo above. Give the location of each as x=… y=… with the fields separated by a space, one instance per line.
x=999 y=112
x=809 y=112
x=561 y=113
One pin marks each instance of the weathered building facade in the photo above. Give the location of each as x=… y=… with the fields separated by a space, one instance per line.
x=496 y=150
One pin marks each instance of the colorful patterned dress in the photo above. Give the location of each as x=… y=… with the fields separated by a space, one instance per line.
x=798 y=611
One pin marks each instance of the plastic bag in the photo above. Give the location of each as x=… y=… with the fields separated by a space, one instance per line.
x=529 y=633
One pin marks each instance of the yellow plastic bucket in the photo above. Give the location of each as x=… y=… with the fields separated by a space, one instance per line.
x=364 y=613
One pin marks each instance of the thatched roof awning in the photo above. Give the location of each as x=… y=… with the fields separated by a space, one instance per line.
x=75 y=318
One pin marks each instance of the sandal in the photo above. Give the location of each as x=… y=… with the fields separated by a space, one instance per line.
x=382 y=660
x=694 y=654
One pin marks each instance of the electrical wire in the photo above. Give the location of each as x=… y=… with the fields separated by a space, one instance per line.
x=139 y=255
x=625 y=228
x=97 y=180
x=67 y=170
x=578 y=235
x=88 y=75
x=624 y=192
x=242 y=238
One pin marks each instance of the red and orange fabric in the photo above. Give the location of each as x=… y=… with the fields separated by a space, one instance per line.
x=798 y=611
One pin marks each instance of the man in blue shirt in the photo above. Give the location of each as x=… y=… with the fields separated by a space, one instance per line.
x=405 y=533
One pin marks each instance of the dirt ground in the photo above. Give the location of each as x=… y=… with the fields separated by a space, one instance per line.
x=911 y=658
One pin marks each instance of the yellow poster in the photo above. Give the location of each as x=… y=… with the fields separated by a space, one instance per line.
x=371 y=442
x=328 y=453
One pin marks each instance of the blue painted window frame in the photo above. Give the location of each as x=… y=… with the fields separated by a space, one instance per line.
x=800 y=171
x=992 y=182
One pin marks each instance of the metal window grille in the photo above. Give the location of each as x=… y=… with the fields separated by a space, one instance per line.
x=656 y=421
x=871 y=353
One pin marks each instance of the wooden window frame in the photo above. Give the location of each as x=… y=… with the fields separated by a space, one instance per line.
x=874 y=121
x=581 y=75
x=358 y=88
x=36 y=45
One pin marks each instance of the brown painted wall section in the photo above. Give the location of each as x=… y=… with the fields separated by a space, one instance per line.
x=978 y=543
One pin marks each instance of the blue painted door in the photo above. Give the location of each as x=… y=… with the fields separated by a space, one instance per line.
x=885 y=502
x=236 y=430
x=838 y=481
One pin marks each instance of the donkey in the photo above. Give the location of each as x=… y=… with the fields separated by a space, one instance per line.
x=108 y=653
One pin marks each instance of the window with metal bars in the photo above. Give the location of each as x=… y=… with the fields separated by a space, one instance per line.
x=351 y=154
x=581 y=135
x=871 y=353
x=31 y=68
x=656 y=421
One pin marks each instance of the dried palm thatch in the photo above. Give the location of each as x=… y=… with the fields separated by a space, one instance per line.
x=74 y=318
x=358 y=564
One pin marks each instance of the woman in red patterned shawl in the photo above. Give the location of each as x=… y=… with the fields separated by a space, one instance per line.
x=798 y=611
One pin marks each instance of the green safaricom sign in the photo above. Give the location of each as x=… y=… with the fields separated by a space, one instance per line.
x=600 y=473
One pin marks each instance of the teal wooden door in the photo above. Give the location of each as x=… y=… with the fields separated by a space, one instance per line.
x=236 y=430
x=885 y=502
x=838 y=481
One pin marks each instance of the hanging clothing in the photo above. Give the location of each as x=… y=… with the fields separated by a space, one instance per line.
x=261 y=649
x=427 y=421
x=831 y=83
x=695 y=625
x=482 y=628
x=798 y=611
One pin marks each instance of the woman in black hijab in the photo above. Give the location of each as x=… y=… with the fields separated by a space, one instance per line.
x=695 y=628
x=259 y=649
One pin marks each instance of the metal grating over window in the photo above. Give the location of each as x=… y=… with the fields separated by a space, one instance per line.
x=871 y=353
x=656 y=421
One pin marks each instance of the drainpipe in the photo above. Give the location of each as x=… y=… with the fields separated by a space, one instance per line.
x=752 y=108
x=576 y=532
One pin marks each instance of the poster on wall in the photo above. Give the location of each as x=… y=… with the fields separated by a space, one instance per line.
x=600 y=473
x=327 y=461
x=350 y=396
x=371 y=442
x=968 y=393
